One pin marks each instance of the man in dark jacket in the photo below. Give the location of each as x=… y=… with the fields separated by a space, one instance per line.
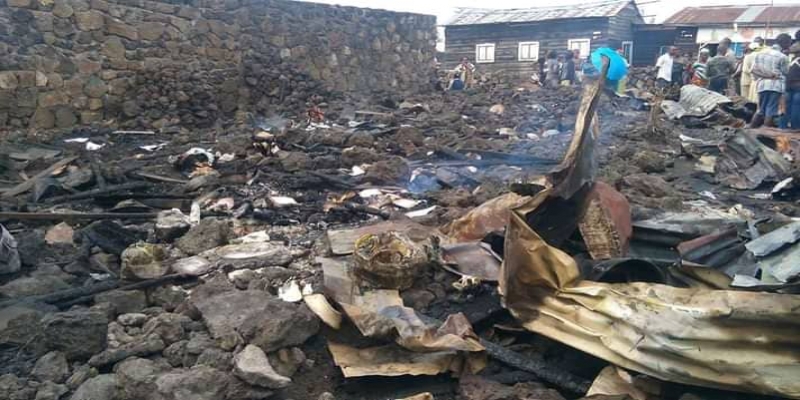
x=792 y=117
x=721 y=67
x=568 y=70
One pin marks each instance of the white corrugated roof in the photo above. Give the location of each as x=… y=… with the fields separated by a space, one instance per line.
x=750 y=14
x=476 y=16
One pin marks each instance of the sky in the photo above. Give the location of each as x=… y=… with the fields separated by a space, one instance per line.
x=443 y=9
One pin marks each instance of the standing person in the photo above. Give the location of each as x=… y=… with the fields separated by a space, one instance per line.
x=588 y=70
x=576 y=54
x=466 y=71
x=542 y=71
x=436 y=80
x=623 y=83
x=792 y=116
x=552 y=73
x=568 y=70
x=724 y=48
x=746 y=82
x=560 y=59
x=576 y=58
x=721 y=68
x=665 y=64
x=770 y=68
x=699 y=69
x=680 y=68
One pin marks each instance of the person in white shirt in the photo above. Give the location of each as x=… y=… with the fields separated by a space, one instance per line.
x=664 y=65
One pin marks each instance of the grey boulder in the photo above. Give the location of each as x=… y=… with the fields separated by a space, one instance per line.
x=255 y=317
x=52 y=367
x=101 y=387
x=253 y=367
x=79 y=334
x=198 y=383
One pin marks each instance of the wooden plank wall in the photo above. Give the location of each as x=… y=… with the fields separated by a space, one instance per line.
x=460 y=41
x=620 y=26
x=648 y=43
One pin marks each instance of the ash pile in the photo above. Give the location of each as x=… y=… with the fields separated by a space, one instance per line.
x=491 y=244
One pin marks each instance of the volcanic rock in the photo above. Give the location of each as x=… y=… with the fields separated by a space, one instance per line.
x=52 y=367
x=79 y=334
x=206 y=235
x=199 y=383
x=252 y=366
x=101 y=387
x=255 y=317
x=123 y=301
x=169 y=326
x=149 y=345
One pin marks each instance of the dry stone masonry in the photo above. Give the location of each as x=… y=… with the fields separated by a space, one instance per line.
x=157 y=64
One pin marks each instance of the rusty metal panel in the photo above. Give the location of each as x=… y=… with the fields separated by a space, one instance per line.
x=728 y=15
x=779 y=14
x=706 y=15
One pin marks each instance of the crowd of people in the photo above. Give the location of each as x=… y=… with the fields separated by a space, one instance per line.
x=768 y=75
x=565 y=68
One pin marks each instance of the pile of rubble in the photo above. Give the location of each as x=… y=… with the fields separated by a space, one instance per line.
x=354 y=250
x=642 y=78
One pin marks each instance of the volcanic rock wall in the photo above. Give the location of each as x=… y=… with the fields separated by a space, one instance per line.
x=154 y=64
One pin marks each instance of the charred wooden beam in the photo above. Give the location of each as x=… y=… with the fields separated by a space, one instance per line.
x=45 y=216
x=97 y=192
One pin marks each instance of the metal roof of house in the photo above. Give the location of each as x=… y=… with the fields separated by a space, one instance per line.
x=728 y=15
x=476 y=16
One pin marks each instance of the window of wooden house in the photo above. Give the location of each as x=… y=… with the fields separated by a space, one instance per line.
x=582 y=45
x=627 y=51
x=528 y=51
x=484 y=53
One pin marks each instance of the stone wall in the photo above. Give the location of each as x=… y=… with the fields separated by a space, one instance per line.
x=153 y=64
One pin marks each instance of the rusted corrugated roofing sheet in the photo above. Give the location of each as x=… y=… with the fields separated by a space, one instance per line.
x=779 y=14
x=706 y=15
x=476 y=16
x=728 y=15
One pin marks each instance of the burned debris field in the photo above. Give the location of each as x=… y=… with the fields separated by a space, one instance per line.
x=215 y=202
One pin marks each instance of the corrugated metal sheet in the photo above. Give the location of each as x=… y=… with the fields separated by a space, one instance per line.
x=724 y=15
x=750 y=14
x=779 y=14
x=476 y=16
x=695 y=102
x=706 y=15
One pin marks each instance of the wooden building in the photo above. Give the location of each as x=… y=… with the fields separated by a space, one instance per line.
x=653 y=40
x=513 y=40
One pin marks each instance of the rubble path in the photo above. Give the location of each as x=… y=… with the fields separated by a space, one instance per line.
x=200 y=294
